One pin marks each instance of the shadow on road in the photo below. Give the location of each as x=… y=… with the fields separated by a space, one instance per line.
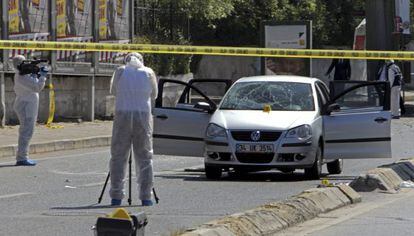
x=93 y=206
x=267 y=176
x=8 y=165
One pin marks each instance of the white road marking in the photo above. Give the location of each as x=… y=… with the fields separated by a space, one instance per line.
x=15 y=195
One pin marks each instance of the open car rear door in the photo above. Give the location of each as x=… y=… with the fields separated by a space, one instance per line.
x=357 y=121
x=181 y=115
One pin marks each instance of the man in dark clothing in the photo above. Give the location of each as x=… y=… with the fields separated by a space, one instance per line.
x=342 y=69
x=342 y=72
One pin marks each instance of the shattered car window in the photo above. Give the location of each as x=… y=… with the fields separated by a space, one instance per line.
x=281 y=96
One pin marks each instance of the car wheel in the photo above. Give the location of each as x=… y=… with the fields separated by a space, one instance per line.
x=315 y=171
x=335 y=167
x=213 y=172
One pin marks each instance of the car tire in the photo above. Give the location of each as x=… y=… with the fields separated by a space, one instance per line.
x=213 y=172
x=335 y=167
x=315 y=171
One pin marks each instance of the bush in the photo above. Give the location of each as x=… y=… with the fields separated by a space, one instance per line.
x=166 y=64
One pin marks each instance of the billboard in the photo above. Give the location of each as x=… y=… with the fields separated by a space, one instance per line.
x=113 y=20
x=287 y=35
x=74 y=24
x=28 y=20
x=28 y=16
x=114 y=27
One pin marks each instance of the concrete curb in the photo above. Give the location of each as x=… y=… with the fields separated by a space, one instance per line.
x=404 y=169
x=273 y=217
x=409 y=97
x=386 y=177
x=59 y=145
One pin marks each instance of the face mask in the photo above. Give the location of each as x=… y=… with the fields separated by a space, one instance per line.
x=135 y=62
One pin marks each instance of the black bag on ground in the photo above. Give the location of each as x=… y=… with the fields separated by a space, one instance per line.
x=106 y=226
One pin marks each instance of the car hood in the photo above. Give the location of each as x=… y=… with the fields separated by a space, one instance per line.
x=274 y=120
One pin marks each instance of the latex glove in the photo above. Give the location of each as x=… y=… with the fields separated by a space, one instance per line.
x=43 y=71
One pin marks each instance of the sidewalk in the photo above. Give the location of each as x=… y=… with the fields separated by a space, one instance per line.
x=377 y=214
x=71 y=136
x=391 y=216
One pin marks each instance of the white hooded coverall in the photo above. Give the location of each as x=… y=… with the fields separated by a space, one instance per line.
x=135 y=89
x=395 y=90
x=27 y=88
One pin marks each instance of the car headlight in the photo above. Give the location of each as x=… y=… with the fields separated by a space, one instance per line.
x=214 y=131
x=302 y=132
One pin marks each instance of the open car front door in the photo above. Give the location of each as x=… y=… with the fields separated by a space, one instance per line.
x=181 y=115
x=357 y=121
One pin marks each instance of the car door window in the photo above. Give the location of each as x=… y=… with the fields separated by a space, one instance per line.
x=369 y=96
x=324 y=90
x=321 y=100
x=214 y=89
x=171 y=94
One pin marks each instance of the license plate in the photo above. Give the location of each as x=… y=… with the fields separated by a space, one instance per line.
x=261 y=148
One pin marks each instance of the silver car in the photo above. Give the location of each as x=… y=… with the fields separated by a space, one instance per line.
x=276 y=122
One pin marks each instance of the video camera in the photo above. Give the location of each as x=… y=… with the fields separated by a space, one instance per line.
x=31 y=67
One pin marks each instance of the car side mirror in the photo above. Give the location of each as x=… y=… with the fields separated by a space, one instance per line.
x=205 y=107
x=334 y=107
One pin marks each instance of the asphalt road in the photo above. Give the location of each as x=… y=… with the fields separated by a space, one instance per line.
x=58 y=196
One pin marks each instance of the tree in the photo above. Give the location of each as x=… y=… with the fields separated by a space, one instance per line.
x=238 y=22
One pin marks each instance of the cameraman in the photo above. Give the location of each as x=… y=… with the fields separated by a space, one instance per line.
x=27 y=88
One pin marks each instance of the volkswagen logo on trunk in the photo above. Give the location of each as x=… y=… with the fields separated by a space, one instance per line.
x=255 y=136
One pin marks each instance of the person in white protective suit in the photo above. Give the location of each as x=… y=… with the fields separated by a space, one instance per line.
x=135 y=89
x=391 y=72
x=27 y=88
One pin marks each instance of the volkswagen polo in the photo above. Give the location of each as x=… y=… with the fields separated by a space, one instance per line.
x=275 y=122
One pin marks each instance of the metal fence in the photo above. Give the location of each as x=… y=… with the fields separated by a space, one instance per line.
x=159 y=22
x=68 y=21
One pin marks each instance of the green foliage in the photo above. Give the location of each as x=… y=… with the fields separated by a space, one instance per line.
x=239 y=22
x=340 y=20
x=165 y=64
x=333 y=21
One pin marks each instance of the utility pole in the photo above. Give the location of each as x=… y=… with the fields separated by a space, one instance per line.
x=5 y=57
x=380 y=16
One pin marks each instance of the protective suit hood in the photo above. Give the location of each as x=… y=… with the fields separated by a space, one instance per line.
x=17 y=60
x=389 y=61
x=134 y=60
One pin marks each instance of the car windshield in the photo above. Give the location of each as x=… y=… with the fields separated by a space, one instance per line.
x=280 y=96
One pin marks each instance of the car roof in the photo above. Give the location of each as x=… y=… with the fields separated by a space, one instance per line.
x=278 y=78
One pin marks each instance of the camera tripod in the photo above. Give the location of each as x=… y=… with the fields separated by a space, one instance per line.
x=129 y=184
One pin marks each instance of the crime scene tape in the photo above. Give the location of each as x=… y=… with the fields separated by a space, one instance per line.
x=207 y=50
x=52 y=109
